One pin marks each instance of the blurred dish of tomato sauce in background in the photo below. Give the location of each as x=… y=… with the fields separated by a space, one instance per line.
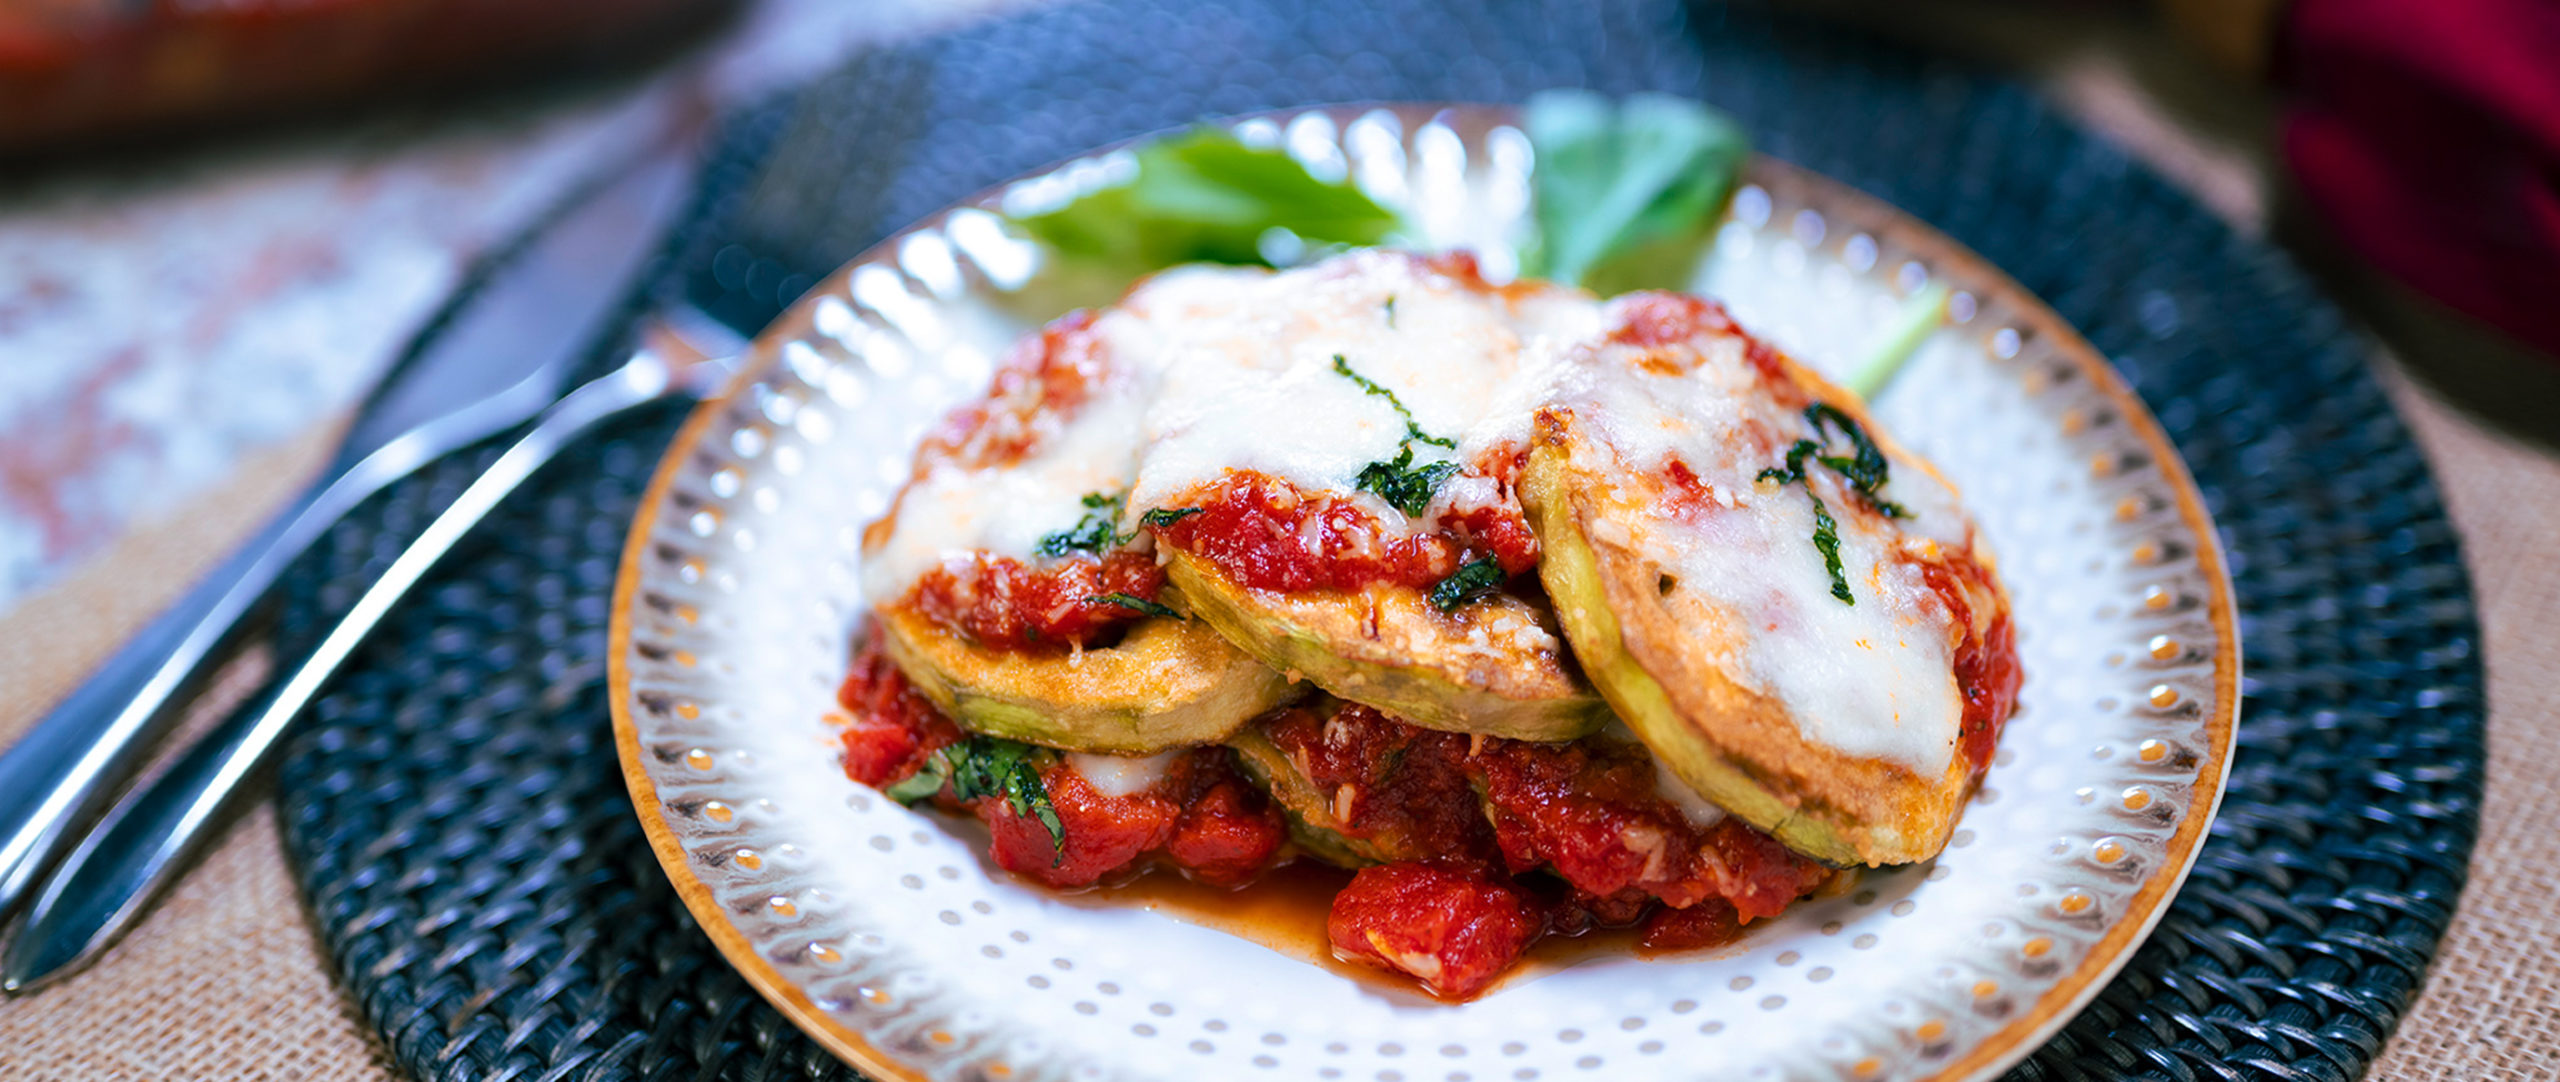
x=85 y=73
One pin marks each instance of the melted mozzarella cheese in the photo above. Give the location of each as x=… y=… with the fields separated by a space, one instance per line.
x=1217 y=368
x=1248 y=378
x=1873 y=679
x=952 y=512
x=1120 y=775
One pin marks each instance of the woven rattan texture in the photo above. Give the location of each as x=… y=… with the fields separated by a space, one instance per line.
x=472 y=861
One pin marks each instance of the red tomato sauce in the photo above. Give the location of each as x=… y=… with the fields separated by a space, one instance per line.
x=1481 y=829
x=1042 y=380
x=999 y=603
x=1652 y=321
x=1266 y=533
x=1202 y=819
x=1497 y=843
x=1986 y=663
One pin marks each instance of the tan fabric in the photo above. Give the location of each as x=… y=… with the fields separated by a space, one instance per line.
x=2491 y=1006
x=225 y=981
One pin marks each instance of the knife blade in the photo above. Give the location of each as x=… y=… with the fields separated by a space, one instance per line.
x=488 y=366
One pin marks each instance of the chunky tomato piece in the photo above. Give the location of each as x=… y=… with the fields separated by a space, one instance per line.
x=1101 y=835
x=1711 y=923
x=1590 y=811
x=1453 y=927
x=1202 y=818
x=1001 y=604
x=1652 y=321
x=1500 y=531
x=1264 y=533
x=1587 y=811
x=1652 y=318
x=894 y=727
x=1987 y=672
x=1756 y=873
x=1228 y=833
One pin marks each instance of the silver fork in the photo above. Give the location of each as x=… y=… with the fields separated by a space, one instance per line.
x=495 y=364
x=108 y=881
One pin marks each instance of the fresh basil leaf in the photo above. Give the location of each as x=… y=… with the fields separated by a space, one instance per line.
x=1412 y=431
x=1471 y=580
x=1616 y=180
x=1167 y=516
x=1206 y=196
x=1140 y=604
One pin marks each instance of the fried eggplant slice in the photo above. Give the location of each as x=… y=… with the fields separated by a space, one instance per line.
x=1010 y=587
x=1329 y=463
x=1168 y=683
x=1313 y=827
x=1790 y=611
x=1494 y=666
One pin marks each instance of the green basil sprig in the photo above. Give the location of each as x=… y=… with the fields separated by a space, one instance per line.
x=984 y=766
x=1627 y=186
x=1204 y=196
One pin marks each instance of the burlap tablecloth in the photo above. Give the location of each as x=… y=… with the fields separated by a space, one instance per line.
x=225 y=979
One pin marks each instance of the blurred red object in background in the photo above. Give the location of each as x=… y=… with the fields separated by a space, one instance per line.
x=2427 y=134
x=89 y=71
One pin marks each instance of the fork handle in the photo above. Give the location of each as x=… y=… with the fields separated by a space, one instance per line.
x=102 y=887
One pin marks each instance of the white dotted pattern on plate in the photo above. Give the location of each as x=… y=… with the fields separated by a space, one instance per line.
x=898 y=931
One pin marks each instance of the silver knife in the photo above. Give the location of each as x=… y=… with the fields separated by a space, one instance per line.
x=106 y=883
x=496 y=363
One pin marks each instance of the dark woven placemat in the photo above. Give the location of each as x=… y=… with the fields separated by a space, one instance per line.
x=472 y=861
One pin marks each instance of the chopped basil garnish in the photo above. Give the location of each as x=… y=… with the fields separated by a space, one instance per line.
x=1864 y=469
x=1405 y=486
x=1139 y=603
x=1167 y=516
x=1096 y=532
x=1794 y=469
x=984 y=766
x=926 y=781
x=1390 y=306
x=1412 y=432
x=1471 y=580
x=1826 y=538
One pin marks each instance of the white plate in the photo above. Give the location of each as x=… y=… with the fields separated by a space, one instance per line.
x=890 y=938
